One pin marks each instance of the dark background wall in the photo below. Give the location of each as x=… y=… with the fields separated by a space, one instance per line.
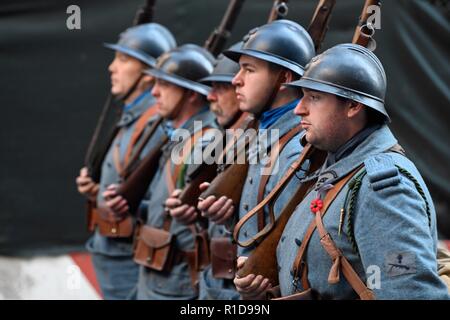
x=53 y=83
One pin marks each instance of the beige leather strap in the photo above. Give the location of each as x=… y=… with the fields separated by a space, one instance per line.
x=340 y=263
x=130 y=163
x=138 y=130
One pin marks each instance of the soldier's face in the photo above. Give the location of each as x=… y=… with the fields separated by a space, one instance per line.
x=167 y=97
x=254 y=84
x=223 y=102
x=125 y=70
x=324 y=119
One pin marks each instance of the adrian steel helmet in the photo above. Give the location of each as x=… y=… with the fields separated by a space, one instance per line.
x=282 y=42
x=184 y=66
x=224 y=69
x=350 y=71
x=145 y=42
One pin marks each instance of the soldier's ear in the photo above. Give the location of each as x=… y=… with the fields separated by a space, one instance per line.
x=288 y=76
x=193 y=96
x=355 y=109
x=148 y=79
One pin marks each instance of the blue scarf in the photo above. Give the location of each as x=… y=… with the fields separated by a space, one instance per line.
x=136 y=101
x=270 y=117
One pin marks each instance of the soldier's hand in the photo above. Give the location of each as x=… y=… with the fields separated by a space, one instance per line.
x=182 y=212
x=86 y=186
x=115 y=202
x=251 y=287
x=217 y=210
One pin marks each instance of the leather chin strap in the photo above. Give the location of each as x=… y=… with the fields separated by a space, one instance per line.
x=131 y=89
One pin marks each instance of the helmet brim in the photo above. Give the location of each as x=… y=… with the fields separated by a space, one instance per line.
x=227 y=78
x=145 y=58
x=179 y=81
x=236 y=54
x=327 y=87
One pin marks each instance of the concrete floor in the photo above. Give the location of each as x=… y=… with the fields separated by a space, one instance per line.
x=41 y=278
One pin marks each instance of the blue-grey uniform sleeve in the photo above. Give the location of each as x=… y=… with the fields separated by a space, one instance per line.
x=393 y=236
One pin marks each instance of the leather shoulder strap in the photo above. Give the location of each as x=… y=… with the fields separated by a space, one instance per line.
x=273 y=158
x=138 y=130
x=299 y=266
x=295 y=166
x=172 y=175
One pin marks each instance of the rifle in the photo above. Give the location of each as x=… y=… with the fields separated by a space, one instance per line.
x=279 y=10
x=263 y=259
x=231 y=178
x=319 y=23
x=235 y=182
x=364 y=31
x=145 y=13
x=104 y=130
x=219 y=36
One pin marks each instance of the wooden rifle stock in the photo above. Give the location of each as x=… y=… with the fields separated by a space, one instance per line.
x=279 y=10
x=230 y=181
x=191 y=192
x=216 y=41
x=263 y=260
x=209 y=172
x=319 y=23
x=363 y=33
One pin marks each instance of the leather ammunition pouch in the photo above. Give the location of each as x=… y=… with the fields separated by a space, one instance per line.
x=202 y=250
x=114 y=228
x=223 y=258
x=154 y=248
x=98 y=217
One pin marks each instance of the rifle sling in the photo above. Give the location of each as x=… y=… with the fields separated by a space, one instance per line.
x=265 y=177
x=306 y=152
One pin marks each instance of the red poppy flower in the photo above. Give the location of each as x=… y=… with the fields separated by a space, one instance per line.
x=316 y=205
